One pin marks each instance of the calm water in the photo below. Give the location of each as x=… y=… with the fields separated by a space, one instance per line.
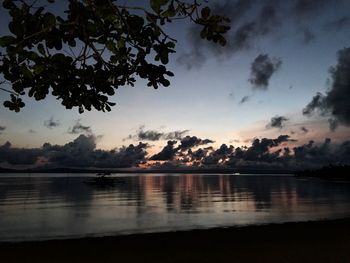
x=39 y=206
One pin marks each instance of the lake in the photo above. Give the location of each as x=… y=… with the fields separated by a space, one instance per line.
x=52 y=206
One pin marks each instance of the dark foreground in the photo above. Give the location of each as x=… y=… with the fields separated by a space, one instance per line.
x=322 y=241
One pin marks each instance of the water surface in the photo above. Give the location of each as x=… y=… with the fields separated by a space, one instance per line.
x=46 y=206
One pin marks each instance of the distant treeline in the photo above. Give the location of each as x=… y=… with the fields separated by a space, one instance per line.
x=198 y=170
x=327 y=172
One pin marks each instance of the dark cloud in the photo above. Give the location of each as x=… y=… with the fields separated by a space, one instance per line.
x=233 y=9
x=258 y=155
x=306 y=7
x=79 y=128
x=193 y=59
x=316 y=155
x=262 y=69
x=243 y=37
x=199 y=154
x=18 y=156
x=2 y=128
x=261 y=147
x=167 y=153
x=277 y=122
x=312 y=152
x=244 y=99
x=318 y=103
x=338 y=23
x=244 y=30
x=51 y=123
x=218 y=156
x=254 y=20
x=81 y=152
x=152 y=135
x=175 y=135
x=129 y=156
x=192 y=141
x=308 y=36
x=262 y=153
x=148 y=135
x=304 y=129
x=338 y=97
x=335 y=103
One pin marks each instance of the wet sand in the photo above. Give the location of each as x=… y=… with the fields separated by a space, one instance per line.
x=319 y=241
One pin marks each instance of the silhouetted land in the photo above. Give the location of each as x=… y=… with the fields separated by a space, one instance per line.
x=321 y=241
x=196 y=170
x=341 y=172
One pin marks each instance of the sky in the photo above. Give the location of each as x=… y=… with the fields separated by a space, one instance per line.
x=272 y=79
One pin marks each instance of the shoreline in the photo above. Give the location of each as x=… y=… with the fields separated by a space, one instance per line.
x=311 y=241
x=145 y=171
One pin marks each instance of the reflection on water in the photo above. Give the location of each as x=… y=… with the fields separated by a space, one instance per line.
x=33 y=207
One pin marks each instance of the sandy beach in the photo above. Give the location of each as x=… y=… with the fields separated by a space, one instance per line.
x=319 y=241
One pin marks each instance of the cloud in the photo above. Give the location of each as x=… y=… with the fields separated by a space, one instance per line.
x=246 y=29
x=262 y=69
x=335 y=103
x=260 y=154
x=81 y=152
x=149 y=135
x=338 y=97
x=260 y=147
x=2 y=128
x=192 y=141
x=308 y=36
x=152 y=135
x=264 y=153
x=277 y=122
x=241 y=36
x=193 y=59
x=307 y=7
x=18 y=156
x=167 y=153
x=315 y=153
x=219 y=155
x=339 y=23
x=248 y=32
x=244 y=99
x=175 y=135
x=252 y=21
x=199 y=154
x=51 y=123
x=318 y=103
x=79 y=128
